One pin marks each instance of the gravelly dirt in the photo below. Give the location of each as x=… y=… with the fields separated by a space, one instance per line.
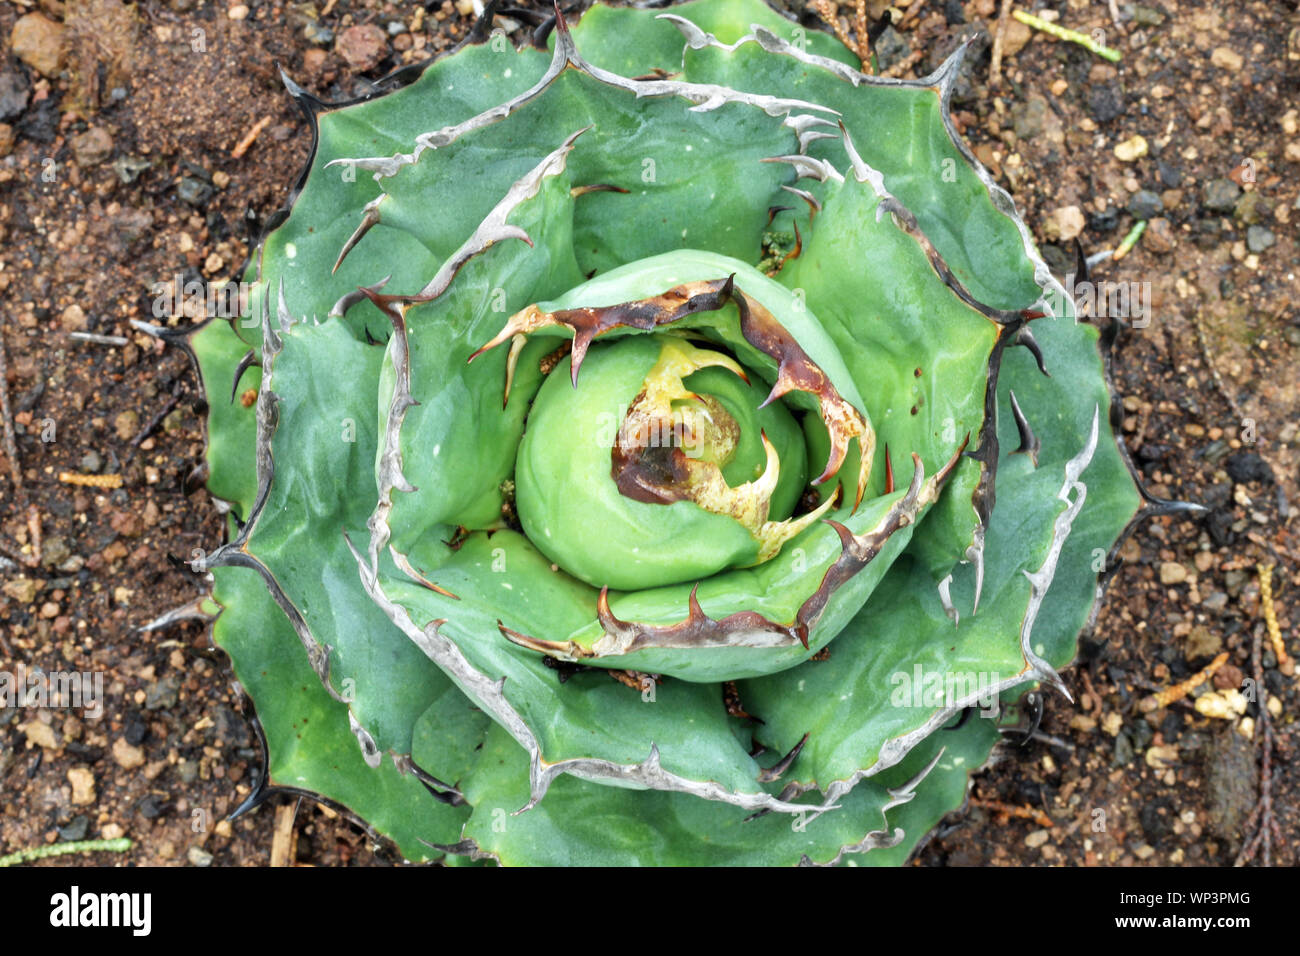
x=1209 y=389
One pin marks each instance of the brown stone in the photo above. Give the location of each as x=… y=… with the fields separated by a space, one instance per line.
x=126 y=756
x=1015 y=38
x=1159 y=237
x=362 y=46
x=83 y=785
x=92 y=147
x=38 y=42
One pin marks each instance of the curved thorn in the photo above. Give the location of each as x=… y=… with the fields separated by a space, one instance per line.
x=778 y=769
x=370 y=218
x=346 y=301
x=1029 y=443
x=1026 y=338
x=245 y=363
x=945 y=598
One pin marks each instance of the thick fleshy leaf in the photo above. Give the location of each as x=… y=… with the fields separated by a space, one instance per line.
x=232 y=425
x=325 y=441
x=899 y=128
x=584 y=824
x=878 y=694
x=309 y=742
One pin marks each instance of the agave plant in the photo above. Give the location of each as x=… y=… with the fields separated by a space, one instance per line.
x=614 y=479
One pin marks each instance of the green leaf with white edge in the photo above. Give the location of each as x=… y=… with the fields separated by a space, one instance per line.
x=871 y=683
x=898 y=129
x=232 y=427
x=584 y=824
x=323 y=449
x=309 y=742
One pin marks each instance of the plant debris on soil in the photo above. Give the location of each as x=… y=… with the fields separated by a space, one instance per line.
x=139 y=143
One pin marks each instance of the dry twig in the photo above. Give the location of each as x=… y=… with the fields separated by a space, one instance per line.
x=1005 y=811
x=90 y=481
x=250 y=137
x=284 y=841
x=995 y=63
x=1178 y=691
x=861 y=44
x=11 y=446
x=1284 y=663
x=1262 y=816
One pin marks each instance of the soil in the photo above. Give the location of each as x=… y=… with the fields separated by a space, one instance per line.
x=119 y=170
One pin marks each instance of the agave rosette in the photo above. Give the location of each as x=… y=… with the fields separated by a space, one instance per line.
x=672 y=348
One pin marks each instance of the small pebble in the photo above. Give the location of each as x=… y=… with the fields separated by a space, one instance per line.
x=41 y=734
x=1226 y=58
x=1171 y=572
x=1159 y=237
x=1259 y=238
x=126 y=756
x=92 y=147
x=1131 y=149
x=362 y=46
x=1065 y=223
x=1220 y=195
x=83 y=786
x=76 y=829
x=1144 y=204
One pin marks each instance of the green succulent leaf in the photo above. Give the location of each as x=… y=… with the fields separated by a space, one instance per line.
x=585 y=824
x=310 y=744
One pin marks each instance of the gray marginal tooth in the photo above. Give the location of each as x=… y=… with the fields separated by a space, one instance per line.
x=697 y=39
x=805 y=127
x=975 y=554
x=189 y=611
x=245 y=363
x=369 y=752
x=814 y=204
x=282 y=314
x=772 y=43
x=370 y=217
x=270 y=341
x=809 y=168
x=464 y=848
x=862 y=172
x=945 y=597
x=883 y=839
x=1029 y=443
x=803 y=122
